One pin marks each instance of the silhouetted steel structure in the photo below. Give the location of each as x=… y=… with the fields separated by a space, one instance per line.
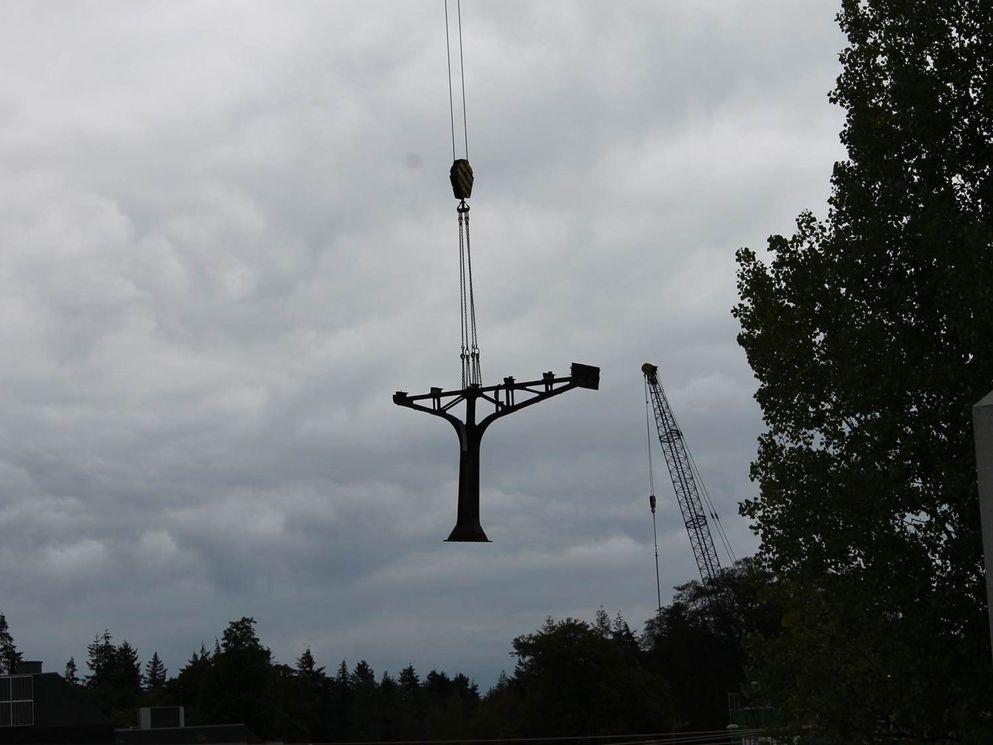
x=506 y=398
x=678 y=460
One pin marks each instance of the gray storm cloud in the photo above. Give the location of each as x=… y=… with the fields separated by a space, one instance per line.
x=228 y=237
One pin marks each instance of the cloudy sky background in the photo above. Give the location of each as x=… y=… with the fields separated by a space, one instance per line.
x=227 y=237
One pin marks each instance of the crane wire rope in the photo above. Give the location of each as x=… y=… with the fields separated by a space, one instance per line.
x=706 y=495
x=469 y=353
x=713 y=510
x=451 y=101
x=651 y=502
x=465 y=120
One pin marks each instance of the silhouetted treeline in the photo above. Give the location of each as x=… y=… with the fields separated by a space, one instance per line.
x=571 y=677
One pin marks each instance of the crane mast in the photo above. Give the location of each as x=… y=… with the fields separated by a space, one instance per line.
x=677 y=458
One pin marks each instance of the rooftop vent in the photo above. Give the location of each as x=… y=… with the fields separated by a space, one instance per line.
x=161 y=717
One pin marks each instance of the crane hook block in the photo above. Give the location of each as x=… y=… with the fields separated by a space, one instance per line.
x=461 y=175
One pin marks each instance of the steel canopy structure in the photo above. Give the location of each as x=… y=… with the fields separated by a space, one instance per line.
x=506 y=398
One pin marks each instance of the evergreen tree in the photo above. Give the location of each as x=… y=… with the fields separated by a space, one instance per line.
x=388 y=709
x=115 y=676
x=310 y=702
x=127 y=676
x=343 y=678
x=189 y=686
x=341 y=703
x=71 y=674
x=242 y=683
x=869 y=334
x=624 y=638
x=365 y=703
x=155 y=673
x=9 y=656
x=601 y=622
x=411 y=705
x=307 y=667
x=100 y=659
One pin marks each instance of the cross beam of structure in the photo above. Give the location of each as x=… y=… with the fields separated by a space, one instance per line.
x=506 y=398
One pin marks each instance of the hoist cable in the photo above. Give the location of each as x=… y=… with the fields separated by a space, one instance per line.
x=713 y=510
x=462 y=309
x=474 y=349
x=465 y=121
x=451 y=97
x=651 y=486
x=648 y=433
x=702 y=488
x=469 y=353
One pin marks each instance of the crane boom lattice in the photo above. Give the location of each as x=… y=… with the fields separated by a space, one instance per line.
x=677 y=458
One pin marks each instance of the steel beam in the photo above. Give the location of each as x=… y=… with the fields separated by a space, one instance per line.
x=505 y=398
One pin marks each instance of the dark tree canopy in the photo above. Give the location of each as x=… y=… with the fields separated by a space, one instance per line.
x=71 y=673
x=115 y=677
x=871 y=335
x=571 y=677
x=9 y=656
x=574 y=680
x=155 y=673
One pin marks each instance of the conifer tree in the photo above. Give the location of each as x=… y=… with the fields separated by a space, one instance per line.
x=155 y=673
x=9 y=656
x=127 y=676
x=307 y=667
x=100 y=659
x=71 y=674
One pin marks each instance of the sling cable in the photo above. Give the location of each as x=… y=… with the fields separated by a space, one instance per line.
x=506 y=397
x=461 y=178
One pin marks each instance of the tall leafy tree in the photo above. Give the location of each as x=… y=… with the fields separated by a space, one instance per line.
x=870 y=335
x=697 y=643
x=9 y=656
x=574 y=681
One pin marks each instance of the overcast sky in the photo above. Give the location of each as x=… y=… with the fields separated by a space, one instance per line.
x=228 y=236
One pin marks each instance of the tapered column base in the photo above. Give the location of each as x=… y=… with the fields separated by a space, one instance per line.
x=467 y=534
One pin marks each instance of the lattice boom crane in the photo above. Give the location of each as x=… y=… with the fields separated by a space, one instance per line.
x=681 y=469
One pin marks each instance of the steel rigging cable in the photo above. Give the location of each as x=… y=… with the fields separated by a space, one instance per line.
x=651 y=500
x=462 y=177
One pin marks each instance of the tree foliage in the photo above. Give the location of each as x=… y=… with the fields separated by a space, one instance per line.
x=9 y=656
x=115 y=677
x=571 y=677
x=869 y=333
x=155 y=673
x=71 y=674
